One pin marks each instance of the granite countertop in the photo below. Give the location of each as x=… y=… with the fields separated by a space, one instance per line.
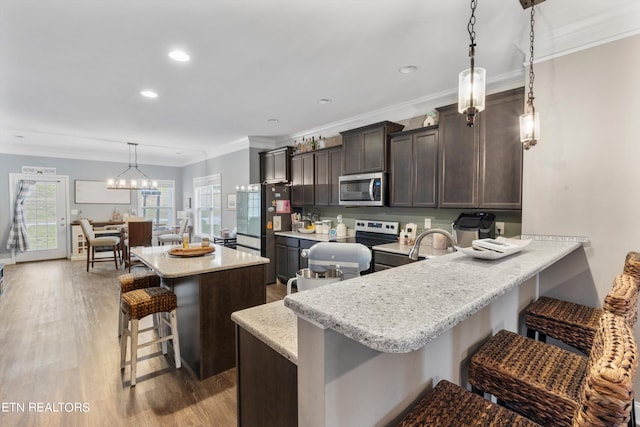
x=314 y=236
x=169 y=266
x=401 y=309
x=426 y=249
x=274 y=324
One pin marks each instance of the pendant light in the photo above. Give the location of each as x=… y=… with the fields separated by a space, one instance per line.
x=471 y=82
x=530 y=120
x=136 y=180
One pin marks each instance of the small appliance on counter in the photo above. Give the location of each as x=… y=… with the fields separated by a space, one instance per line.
x=341 y=228
x=470 y=226
x=330 y=262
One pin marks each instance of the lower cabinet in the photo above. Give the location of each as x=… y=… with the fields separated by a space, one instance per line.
x=289 y=258
x=385 y=260
x=267 y=384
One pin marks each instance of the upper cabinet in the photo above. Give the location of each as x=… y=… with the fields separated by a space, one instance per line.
x=274 y=165
x=365 y=149
x=413 y=168
x=481 y=167
x=302 y=180
x=328 y=168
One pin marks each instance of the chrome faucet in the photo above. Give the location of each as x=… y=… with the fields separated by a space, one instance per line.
x=415 y=250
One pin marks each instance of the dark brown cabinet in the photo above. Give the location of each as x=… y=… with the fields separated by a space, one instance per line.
x=328 y=168
x=385 y=260
x=481 y=167
x=287 y=257
x=274 y=165
x=413 y=167
x=302 y=180
x=365 y=149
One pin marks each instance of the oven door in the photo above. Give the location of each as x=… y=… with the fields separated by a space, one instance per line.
x=362 y=190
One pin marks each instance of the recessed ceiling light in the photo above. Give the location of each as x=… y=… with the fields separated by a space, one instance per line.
x=273 y=121
x=324 y=101
x=408 y=69
x=19 y=136
x=179 y=55
x=148 y=93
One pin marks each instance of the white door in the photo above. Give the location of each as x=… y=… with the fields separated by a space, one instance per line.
x=45 y=210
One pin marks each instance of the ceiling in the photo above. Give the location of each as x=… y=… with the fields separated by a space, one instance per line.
x=71 y=71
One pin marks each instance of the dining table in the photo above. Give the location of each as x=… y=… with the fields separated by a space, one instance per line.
x=209 y=287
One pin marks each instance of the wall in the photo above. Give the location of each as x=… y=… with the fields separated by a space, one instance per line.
x=234 y=168
x=581 y=178
x=75 y=169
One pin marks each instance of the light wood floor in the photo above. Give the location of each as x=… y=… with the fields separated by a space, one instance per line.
x=59 y=347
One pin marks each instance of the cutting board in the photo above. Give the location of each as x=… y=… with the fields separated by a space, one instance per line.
x=189 y=252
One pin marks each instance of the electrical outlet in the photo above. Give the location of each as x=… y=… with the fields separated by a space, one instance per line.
x=500 y=228
x=427 y=223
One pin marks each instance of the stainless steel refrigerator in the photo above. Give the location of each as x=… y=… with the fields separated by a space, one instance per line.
x=276 y=216
x=248 y=219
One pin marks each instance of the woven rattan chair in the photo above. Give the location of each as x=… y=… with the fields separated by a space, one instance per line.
x=131 y=282
x=138 y=304
x=575 y=324
x=556 y=387
x=451 y=406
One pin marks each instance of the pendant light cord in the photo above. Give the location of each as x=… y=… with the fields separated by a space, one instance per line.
x=531 y=74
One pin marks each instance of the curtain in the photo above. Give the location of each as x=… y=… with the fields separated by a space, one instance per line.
x=18 y=238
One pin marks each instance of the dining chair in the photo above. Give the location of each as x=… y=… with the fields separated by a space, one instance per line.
x=93 y=242
x=174 y=238
x=137 y=233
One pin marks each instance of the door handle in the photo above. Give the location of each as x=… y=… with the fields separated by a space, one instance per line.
x=371 y=188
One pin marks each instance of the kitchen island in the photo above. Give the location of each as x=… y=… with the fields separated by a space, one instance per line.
x=209 y=288
x=370 y=346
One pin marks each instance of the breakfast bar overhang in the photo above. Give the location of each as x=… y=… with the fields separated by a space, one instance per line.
x=209 y=288
x=370 y=346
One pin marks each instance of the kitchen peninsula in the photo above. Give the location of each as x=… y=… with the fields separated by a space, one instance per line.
x=209 y=288
x=370 y=346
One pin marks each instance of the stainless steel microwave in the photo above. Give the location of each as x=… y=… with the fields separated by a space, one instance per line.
x=367 y=189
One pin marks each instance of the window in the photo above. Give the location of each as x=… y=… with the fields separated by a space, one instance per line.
x=158 y=205
x=208 y=205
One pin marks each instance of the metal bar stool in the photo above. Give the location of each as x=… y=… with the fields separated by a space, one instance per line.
x=131 y=282
x=138 y=304
x=556 y=387
x=450 y=405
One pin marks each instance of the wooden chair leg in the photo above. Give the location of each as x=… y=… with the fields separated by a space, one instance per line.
x=115 y=255
x=88 y=249
x=134 y=350
x=93 y=256
x=123 y=340
x=175 y=339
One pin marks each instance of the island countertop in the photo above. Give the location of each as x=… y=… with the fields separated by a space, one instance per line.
x=169 y=266
x=274 y=324
x=401 y=309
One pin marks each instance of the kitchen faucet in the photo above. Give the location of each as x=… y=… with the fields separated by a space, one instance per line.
x=415 y=250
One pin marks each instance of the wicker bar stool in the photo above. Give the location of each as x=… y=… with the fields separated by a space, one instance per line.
x=131 y=282
x=576 y=324
x=448 y=405
x=138 y=304
x=557 y=387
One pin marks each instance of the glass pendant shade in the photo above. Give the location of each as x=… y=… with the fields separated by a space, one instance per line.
x=530 y=127
x=471 y=95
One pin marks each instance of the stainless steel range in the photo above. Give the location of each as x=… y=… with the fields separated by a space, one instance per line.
x=373 y=232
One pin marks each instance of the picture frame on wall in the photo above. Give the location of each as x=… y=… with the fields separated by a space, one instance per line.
x=96 y=192
x=231 y=201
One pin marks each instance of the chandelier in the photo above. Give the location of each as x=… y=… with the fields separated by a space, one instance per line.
x=471 y=82
x=132 y=178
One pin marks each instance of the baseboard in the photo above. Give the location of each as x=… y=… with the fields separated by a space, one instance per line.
x=7 y=261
